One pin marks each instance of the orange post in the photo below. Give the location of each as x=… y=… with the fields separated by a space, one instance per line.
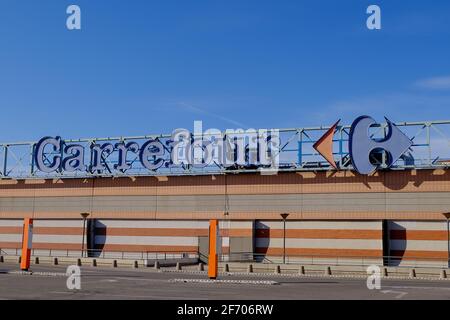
x=27 y=240
x=213 y=260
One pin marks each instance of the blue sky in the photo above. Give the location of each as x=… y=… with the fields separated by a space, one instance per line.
x=144 y=66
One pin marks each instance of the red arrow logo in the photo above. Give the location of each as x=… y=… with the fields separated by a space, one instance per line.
x=325 y=145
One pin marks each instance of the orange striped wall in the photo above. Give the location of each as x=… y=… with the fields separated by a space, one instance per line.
x=57 y=235
x=163 y=236
x=393 y=195
x=312 y=239
x=412 y=240
x=320 y=238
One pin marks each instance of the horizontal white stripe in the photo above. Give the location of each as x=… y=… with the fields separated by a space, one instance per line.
x=339 y=225
x=418 y=225
x=236 y=224
x=176 y=224
x=175 y=241
x=320 y=243
x=12 y=251
x=10 y=238
x=421 y=245
x=47 y=238
x=11 y=223
x=58 y=223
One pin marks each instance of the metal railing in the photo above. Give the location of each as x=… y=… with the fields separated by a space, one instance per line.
x=319 y=260
x=95 y=253
x=244 y=257
x=393 y=261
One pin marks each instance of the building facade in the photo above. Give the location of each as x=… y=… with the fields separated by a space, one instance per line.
x=338 y=216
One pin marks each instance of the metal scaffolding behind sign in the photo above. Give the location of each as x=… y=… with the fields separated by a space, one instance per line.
x=430 y=150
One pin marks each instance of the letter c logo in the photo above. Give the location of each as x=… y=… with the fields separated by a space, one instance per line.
x=396 y=143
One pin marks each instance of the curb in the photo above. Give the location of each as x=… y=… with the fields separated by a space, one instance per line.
x=262 y=282
x=299 y=276
x=45 y=274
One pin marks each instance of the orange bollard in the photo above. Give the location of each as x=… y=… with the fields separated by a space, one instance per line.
x=27 y=241
x=213 y=260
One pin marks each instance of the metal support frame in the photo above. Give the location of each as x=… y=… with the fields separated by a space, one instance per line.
x=431 y=145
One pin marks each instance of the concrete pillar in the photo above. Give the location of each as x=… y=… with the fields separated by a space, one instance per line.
x=94 y=262
x=178 y=266
x=443 y=274
x=156 y=266
x=55 y=261
x=328 y=271
x=226 y=268
x=302 y=270
x=277 y=270
x=36 y=260
x=412 y=273
x=250 y=268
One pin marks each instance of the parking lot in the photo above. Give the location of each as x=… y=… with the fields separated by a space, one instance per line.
x=49 y=282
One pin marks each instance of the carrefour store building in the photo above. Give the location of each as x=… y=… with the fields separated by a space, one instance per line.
x=366 y=192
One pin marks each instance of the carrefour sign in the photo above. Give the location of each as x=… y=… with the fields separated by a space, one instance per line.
x=256 y=148
x=361 y=145
x=396 y=143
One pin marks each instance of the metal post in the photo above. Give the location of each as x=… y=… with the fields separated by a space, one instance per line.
x=284 y=241
x=82 y=240
x=32 y=160
x=284 y=217
x=300 y=147
x=27 y=241
x=213 y=258
x=5 y=162
x=430 y=161
x=447 y=217
x=84 y=215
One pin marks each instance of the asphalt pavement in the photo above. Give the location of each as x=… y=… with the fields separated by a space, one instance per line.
x=50 y=282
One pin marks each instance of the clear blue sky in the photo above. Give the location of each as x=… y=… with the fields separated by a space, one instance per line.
x=144 y=66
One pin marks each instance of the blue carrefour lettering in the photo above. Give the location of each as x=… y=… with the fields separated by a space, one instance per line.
x=75 y=160
x=152 y=149
x=48 y=162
